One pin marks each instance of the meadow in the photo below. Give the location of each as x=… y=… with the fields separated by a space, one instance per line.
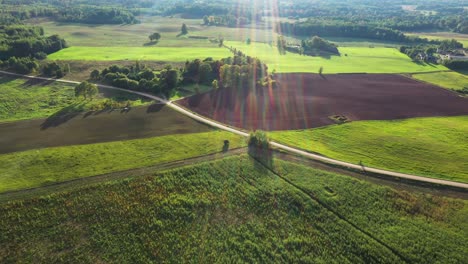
x=352 y=60
x=450 y=80
x=235 y=210
x=39 y=167
x=26 y=99
x=169 y=54
x=432 y=147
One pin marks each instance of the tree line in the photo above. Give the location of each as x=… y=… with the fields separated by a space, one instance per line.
x=235 y=72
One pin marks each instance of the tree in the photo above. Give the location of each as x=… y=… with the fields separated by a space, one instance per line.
x=86 y=89
x=214 y=84
x=184 y=29
x=205 y=73
x=206 y=20
x=248 y=41
x=155 y=37
x=94 y=74
x=320 y=71
x=281 y=44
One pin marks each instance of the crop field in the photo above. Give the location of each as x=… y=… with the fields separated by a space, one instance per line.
x=450 y=80
x=137 y=35
x=169 y=54
x=307 y=101
x=235 y=210
x=39 y=167
x=352 y=60
x=75 y=128
x=26 y=99
x=432 y=147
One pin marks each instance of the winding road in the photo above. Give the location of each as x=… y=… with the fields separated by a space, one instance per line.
x=212 y=123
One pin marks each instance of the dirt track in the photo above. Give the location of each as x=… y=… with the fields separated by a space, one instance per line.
x=308 y=100
x=94 y=127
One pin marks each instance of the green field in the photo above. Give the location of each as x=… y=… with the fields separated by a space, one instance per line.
x=358 y=60
x=168 y=54
x=450 y=80
x=231 y=211
x=432 y=147
x=33 y=168
x=26 y=99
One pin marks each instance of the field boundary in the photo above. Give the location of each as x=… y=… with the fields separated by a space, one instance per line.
x=297 y=151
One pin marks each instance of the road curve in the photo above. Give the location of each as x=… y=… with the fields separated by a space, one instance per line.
x=274 y=144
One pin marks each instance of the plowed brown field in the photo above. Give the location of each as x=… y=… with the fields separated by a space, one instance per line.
x=307 y=100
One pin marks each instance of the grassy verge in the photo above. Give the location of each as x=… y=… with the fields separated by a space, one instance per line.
x=352 y=60
x=26 y=99
x=450 y=80
x=432 y=147
x=233 y=210
x=172 y=54
x=40 y=167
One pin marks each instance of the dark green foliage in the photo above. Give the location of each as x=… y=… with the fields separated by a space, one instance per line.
x=317 y=46
x=281 y=45
x=95 y=74
x=53 y=69
x=21 y=65
x=25 y=41
x=456 y=64
x=96 y=15
x=155 y=37
x=183 y=29
x=86 y=89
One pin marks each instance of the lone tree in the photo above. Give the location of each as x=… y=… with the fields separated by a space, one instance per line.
x=320 y=71
x=154 y=37
x=95 y=74
x=86 y=89
x=184 y=29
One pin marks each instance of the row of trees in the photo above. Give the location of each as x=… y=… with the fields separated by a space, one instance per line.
x=93 y=15
x=225 y=20
x=344 y=29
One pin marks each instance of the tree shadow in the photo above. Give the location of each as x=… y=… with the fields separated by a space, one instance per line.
x=151 y=43
x=263 y=156
x=36 y=82
x=154 y=108
x=62 y=116
x=225 y=146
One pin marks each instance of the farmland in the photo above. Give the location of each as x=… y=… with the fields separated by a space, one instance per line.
x=25 y=99
x=424 y=146
x=308 y=101
x=167 y=54
x=75 y=128
x=352 y=60
x=450 y=80
x=40 y=167
x=247 y=215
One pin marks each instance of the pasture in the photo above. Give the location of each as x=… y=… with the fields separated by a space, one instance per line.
x=235 y=210
x=352 y=60
x=450 y=80
x=432 y=147
x=114 y=53
x=309 y=100
x=22 y=99
x=39 y=167
x=137 y=35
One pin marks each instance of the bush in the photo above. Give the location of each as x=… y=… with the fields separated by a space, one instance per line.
x=259 y=139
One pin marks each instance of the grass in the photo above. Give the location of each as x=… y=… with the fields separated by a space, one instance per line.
x=230 y=211
x=450 y=80
x=137 y=35
x=33 y=168
x=170 y=54
x=432 y=147
x=358 y=60
x=25 y=99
